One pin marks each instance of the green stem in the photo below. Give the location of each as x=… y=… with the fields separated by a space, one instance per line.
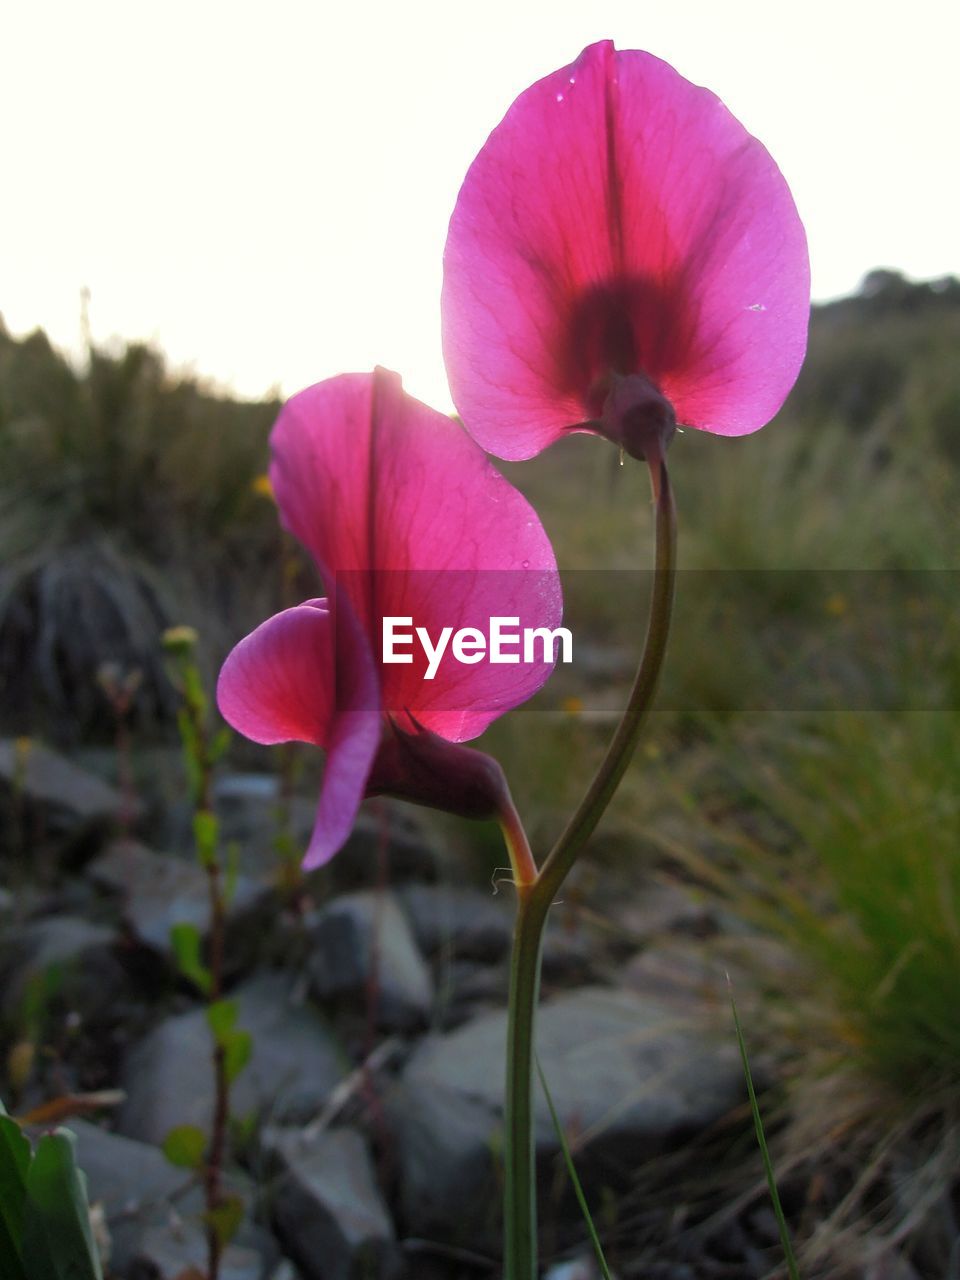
x=519 y=1193
x=600 y=792
x=534 y=899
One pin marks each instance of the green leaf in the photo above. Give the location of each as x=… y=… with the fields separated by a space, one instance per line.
x=185 y=940
x=237 y=1045
x=225 y=1218
x=193 y=691
x=220 y=744
x=185 y=1146
x=206 y=831
x=285 y=847
x=785 y=1243
x=238 y=1049
x=574 y=1176
x=14 y=1162
x=56 y=1230
x=222 y=1018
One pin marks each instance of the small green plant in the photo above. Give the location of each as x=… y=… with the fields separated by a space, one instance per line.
x=186 y=1145
x=837 y=842
x=869 y=893
x=45 y=1229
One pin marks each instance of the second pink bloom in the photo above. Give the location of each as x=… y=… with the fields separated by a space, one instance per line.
x=404 y=516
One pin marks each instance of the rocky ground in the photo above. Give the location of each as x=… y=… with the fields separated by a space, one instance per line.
x=366 y=1126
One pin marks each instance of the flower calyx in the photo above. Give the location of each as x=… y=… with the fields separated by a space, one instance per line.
x=428 y=770
x=638 y=417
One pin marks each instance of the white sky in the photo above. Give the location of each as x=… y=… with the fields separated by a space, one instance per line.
x=263 y=188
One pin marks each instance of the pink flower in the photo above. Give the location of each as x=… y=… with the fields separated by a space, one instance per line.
x=619 y=226
x=404 y=517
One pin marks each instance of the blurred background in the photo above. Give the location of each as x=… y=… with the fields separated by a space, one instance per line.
x=207 y=207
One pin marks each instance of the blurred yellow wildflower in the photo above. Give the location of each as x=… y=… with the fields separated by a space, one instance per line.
x=180 y=641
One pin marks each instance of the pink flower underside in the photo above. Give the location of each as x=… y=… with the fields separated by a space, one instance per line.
x=365 y=476
x=400 y=507
x=281 y=684
x=619 y=219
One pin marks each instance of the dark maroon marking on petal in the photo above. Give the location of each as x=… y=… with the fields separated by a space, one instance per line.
x=620 y=327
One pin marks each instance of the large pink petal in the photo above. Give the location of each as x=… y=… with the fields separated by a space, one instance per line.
x=403 y=509
x=320 y=471
x=290 y=681
x=620 y=220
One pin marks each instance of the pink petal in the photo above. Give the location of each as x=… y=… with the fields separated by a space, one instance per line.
x=620 y=220
x=350 y=756
x=277 y=684
x=281 y=684
x=416 y=522
x=320 y=471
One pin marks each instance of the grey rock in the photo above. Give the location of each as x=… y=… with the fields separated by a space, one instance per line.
x=252 y=812
x=624 y=1076
x=135 y=1185
x=235 y=792
x=695 y=974
x=157 y=891
x=285 y=1270
x=570 y=955
x=326 y=1207
x=387 y=838
x=679 y=970
x=583 y=1267
x=661 y=908
x=464 y=923
x=52 y=788
x=362 y=942
x=466 y=988
x=295 y=1063
x=165 y=1252
x=79 y=961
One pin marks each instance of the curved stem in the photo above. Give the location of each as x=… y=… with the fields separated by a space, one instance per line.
x=518 y=846
x=536 y=892
x=519 y=1149
x=600 y=792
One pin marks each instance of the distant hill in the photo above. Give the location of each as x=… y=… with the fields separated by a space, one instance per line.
x=893 y=342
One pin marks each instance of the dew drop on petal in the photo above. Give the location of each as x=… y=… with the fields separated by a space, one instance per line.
x=525 y=563
x=756 y=306
x=559 y=97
